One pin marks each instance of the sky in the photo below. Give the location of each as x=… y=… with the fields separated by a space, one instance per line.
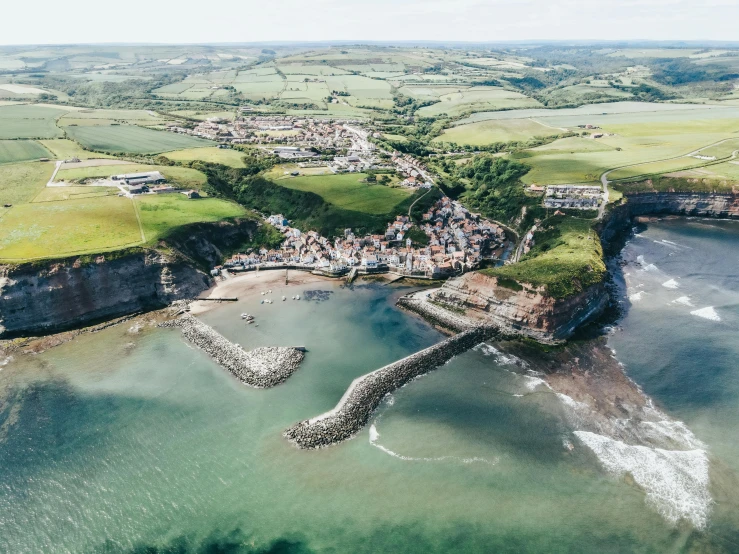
x=187 y=21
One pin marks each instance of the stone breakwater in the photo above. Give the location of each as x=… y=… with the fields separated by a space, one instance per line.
x=260 y=368
x=419 y=303
x=365 y=393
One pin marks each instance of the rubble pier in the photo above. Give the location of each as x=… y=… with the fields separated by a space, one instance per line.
x=365 y=393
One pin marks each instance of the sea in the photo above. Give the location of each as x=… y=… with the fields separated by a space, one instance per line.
x=130 y=440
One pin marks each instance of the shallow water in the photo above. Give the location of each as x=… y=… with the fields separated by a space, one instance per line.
x=123 y=440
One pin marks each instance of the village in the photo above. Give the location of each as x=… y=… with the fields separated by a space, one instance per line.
x=340 y=145
x=458 y=241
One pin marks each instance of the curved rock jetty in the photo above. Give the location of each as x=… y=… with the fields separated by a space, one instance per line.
x=260 y=368
x=419 y=303
x=365 y=393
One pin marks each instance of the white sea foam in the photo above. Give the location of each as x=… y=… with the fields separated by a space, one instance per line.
x=532 y=382
x=684 y=300
x=374 y=435
x=707 y=313
x=644 y=265
x=500 y=357
x=572 y=403
x=675 y=481
x=636 y=297
x=671 y=284
x=6 y=361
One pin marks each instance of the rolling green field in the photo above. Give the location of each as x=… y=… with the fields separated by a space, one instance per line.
x=347 y=192
x=477 y=99
x=488 y=132
x=20 y=182
x=132 y=139
x=229 y=157
x=162 y=213
x=29 y=121
x=54 y=194
x=21 y=150
x=53 y=229
x=184 y=176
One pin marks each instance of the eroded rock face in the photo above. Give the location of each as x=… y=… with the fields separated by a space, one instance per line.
x=37 y=298
x=528 y=311
x=684 y=203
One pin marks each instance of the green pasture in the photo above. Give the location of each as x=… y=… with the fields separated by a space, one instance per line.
x=55 y=194
x=163 y=212
x=131 y=139
x=348 y=192
x=488 y=132
x=54 y=229
x=21 y=150
x=20 y=182
x=225 y=156
x=477 y=99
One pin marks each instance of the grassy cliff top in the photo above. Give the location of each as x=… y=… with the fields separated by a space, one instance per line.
x=566 y=258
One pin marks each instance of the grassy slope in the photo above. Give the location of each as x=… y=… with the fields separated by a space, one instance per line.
x=162 y=213
x=566 y=258
x=348 y=192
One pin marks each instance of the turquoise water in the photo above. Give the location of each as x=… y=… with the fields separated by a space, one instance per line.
x=133 y=441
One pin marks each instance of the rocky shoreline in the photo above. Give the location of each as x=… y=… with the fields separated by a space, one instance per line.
x=366 y=393
x=260 y=368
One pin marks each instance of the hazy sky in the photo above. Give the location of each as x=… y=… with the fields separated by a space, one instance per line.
x=173 y=21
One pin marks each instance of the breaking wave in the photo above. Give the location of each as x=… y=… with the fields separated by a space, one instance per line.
x=671 y=284
x=684 y=300
x=675 y=481
x=637 y=296
x=707 y=313
x=500 y=357
x=374 y=435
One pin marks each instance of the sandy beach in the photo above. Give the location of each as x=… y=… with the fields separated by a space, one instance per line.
x=253 y=283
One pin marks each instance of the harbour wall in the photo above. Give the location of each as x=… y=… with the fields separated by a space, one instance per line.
x=260 y=368
x=365 y=393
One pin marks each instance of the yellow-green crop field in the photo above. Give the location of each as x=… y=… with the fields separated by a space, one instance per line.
x=225 y=156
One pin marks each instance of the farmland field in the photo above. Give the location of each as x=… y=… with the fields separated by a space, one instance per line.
x=229 y=157
x=21 y=150
x=346 y=191
x=487 y=132
x=64 y=149
x=54 y=194
x=29 y=121
x=20 y=182
x=477 y=99
x=184 y=176
x=162 y=213
x=54 y=229
x=132 y=139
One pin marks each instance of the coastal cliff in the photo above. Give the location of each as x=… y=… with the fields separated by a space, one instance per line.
x=60 y=294
x=524 y=310
x=55 y=295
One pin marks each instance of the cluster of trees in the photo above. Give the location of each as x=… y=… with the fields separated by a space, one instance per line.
x=494 y=187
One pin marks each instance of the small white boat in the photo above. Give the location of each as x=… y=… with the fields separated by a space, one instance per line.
x=284 y=298
x=262 y=302
x=262 y=293
x=297 y=297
